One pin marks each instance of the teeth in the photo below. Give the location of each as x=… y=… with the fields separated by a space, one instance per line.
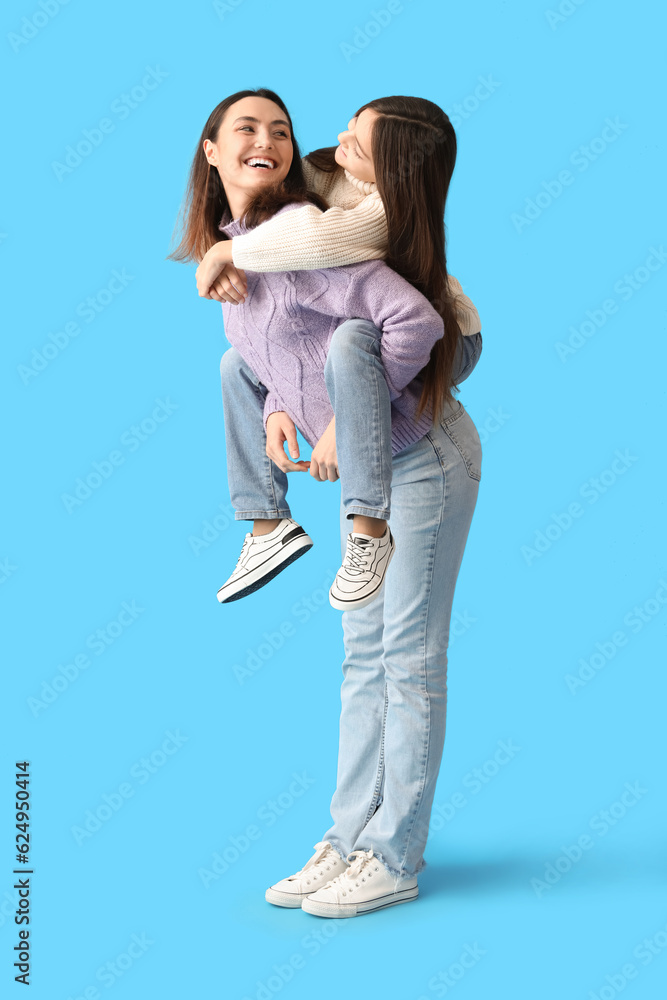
x=258 y=159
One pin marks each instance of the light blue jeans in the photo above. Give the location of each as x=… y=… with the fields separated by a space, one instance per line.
x=394 y=691
x=358 y=392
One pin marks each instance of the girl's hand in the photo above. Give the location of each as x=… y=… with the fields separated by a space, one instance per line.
x=211 y=265
x=280 y=428
x=324 y=461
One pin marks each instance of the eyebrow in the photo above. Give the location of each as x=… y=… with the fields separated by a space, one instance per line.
x=249 y=118
x=357 y=142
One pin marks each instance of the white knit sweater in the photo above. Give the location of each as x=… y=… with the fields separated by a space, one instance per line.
x=352 y=230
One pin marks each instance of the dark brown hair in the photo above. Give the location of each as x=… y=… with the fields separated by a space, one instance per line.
x=205 y=204
x=413 y=148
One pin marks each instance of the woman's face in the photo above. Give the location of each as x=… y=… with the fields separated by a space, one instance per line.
x=354 y=152
x=254 y=130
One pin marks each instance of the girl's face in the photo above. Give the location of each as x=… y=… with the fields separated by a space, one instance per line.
x=354 y=152
x=253 y=131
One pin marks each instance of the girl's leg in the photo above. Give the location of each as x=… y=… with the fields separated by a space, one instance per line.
x=257 y=487
x=467 y=355
x=359 y=395
x=434 y=486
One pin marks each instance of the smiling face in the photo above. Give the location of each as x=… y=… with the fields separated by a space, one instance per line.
x=253 y=131
x=354 y=152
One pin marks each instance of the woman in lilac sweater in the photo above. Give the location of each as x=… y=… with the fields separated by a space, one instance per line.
x=394 y=687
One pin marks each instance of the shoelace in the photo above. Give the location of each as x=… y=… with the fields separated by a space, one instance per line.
x=358 y=871
x=244 y=548
x=321 y=857
x=357 y=555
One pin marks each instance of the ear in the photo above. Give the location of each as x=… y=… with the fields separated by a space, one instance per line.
x=210 y=152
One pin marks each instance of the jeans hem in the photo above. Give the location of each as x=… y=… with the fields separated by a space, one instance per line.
x=267 y=515
x=380 y=512
x=338 y=851
x=396 y=872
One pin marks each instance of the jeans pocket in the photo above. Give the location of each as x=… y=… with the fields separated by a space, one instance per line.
x=462 y=432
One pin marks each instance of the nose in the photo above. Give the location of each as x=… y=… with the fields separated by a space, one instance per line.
x=263 y=141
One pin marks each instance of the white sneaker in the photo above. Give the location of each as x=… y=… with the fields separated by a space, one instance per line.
x=263 y=557
x=360 y=578
x=363 y=887
x=324 y=865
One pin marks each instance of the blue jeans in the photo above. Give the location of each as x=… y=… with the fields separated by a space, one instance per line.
x=358 y=392
x=394 y=690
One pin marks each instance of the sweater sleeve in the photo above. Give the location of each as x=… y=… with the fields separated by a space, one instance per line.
x=466 y=313
x=409 y=324
x=271 y=405
x=307 y=239
x=316 y=180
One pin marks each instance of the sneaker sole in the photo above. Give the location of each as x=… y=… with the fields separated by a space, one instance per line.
x=357 y=909
x=361 y=602
x=265 y=573
x=291 y=900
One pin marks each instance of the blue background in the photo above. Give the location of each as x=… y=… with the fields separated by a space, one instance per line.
x=551 y=426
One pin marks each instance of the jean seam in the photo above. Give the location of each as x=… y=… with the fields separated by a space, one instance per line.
x=369 y=344
x=378 y=780
x=420 y=795
x=446 y=421
x=267 y=460
x=473 y=471
x=386 y=502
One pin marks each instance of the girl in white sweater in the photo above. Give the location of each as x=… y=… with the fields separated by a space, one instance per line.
x=355 y=228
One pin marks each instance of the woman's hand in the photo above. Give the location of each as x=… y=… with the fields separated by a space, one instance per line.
x=212 y=264
x=324 y=461
x=280 y=428
x=230 y=286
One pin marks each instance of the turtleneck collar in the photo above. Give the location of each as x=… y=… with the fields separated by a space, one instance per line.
x=229 y=226
x=366 y=187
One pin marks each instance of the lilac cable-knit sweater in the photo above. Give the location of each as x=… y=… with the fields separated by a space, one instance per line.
x=283 y=330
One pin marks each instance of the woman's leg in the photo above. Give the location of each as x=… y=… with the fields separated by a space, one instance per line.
x=434 y=491
x=257 y=487
x=363 y=695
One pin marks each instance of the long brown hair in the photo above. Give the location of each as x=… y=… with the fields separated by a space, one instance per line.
x=413 y=147
x=205 y=203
